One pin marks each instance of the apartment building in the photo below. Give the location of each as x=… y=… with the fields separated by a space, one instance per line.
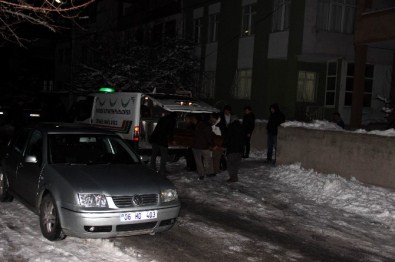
x=300 y=54
x=313 y=57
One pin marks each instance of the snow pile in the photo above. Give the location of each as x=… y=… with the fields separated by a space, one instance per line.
x=388 y=132
x=373 y=203
x=328 y=205
x=316 y=124
x=326 y=125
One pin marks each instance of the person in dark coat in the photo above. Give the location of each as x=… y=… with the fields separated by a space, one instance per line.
x=225 y=117
x=201 y=147
x=248 y=127
x=160 y=138
x=234 y=148
x=217 y=150
x=276 y=118
x=189 y=157
x=338 y=120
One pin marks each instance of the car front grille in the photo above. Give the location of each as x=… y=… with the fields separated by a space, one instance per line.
x=127 y=201
x=133 y=227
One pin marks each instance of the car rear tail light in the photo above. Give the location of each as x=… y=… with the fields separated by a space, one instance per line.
x=136 y=133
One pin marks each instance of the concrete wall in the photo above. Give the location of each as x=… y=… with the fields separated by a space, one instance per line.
x=259 y=137
x=368 y=158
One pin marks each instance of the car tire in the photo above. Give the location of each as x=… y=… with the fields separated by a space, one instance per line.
x=4 y=195
x=49 y=219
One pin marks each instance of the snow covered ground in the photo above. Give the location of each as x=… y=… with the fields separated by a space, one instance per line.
x=336 y=207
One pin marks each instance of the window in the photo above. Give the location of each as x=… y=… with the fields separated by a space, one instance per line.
x=242 y=87
x=89 y=149
x=367 y=95
x=306 y=86
x=20 y=141
x=336 y=15
x=197 y=30
x=213 y=28
x=248 y=20
x=331 y=75
x=208 y=84
x=35 y=146
x=281 y=15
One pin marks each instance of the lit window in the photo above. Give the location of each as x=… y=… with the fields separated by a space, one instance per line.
x=306 y=86
x=243 y=83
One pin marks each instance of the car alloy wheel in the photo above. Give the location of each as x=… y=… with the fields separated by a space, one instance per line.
x=49 y=219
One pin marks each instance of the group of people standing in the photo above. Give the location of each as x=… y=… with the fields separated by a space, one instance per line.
x=220 y=140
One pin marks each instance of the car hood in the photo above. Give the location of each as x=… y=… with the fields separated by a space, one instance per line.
x=111 y=179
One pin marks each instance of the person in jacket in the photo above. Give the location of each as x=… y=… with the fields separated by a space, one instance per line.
x=338 y=120
x=276 y=118
x=248 y=127
x=189 y=157
x=225 y=117
x=234 y=148
x=160 y=138
x=217 y=151
x=201 y=147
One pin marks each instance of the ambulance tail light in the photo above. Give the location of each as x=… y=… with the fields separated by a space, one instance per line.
x=136 y=133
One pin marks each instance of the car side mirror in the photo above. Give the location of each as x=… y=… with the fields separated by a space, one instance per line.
x=31 y=159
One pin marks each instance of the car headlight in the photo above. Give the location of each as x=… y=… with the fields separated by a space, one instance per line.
x=169 y=195
x=92 y=200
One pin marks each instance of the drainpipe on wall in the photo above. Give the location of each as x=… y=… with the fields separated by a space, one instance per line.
x=359 y=86
x=392 y=92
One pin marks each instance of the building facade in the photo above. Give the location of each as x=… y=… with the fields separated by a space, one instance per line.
x=300 y=54
x=312 y=57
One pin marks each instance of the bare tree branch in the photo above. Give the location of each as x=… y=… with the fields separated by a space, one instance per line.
x=41 y=13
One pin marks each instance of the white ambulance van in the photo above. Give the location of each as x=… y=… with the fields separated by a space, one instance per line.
x=135 y=115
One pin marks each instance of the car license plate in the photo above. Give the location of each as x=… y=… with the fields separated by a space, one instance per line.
x=136 y=216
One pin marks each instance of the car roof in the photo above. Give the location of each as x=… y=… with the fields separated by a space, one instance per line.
x=56 y=128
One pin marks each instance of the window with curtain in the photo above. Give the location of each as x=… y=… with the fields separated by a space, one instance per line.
x=281 y=12
x=336 y=15
x=306 y=86
x=197 y=30
x=242 y=87
x=208 y=85
x=213 y=27
x=248 y=20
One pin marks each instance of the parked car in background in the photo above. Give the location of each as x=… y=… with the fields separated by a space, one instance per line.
x=85 y=182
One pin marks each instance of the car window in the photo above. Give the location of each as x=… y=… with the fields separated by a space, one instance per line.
x=20 y=141
x=34 y=146
x=89 y=149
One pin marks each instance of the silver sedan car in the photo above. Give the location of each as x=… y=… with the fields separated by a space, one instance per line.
x=85 y=182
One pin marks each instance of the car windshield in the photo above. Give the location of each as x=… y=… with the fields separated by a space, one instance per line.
x=89 y=149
